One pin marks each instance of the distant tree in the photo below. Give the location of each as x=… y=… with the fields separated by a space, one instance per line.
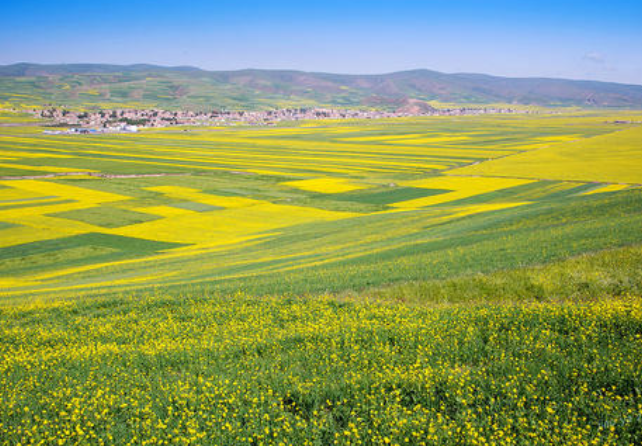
x=129 y=121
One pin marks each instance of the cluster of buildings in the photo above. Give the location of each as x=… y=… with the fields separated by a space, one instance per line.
x=129 y=120
x=122 y=128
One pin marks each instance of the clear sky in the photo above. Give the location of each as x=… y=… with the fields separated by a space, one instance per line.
x=588 y=39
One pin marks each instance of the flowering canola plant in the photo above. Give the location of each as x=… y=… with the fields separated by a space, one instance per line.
x=240 y=370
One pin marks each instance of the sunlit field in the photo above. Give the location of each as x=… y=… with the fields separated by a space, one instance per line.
x=614 y=157
x=314 y=207
x=437 y=280
x=241 y=370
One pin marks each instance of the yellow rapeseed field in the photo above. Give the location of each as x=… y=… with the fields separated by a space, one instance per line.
x=285 y=178
x=607 y=188
x=613 y=158
x=455 y=188
x=326 y=185
x=323 y=283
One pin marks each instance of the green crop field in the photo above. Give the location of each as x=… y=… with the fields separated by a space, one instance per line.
x=433 y=280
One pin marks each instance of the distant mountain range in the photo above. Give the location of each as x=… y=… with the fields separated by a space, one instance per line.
x=145 y=85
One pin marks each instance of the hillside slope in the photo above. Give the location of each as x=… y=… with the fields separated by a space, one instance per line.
x=188 y=87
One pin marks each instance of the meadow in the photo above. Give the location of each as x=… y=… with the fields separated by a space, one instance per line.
x=437 y=280
x=307 y=207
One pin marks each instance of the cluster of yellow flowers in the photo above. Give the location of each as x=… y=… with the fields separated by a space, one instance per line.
x=244 y=370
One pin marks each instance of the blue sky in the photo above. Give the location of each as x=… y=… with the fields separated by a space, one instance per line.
x=590 y=39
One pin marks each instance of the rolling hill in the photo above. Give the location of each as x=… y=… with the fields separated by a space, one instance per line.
x=106 y=86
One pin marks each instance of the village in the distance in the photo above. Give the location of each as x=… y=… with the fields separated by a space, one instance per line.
x=65 y=121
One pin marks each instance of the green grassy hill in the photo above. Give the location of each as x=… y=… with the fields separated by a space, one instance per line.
x=200 y=368
x=187 y=87
x=323 y=283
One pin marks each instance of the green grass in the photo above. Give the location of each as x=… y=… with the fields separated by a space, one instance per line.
x=514 y=326
x=392 y=195
x=613 y=273
x=207 y=369
x=48 y=260
x=196 y=207
x=411 y=247
x=106 y=216
x=75 y=251
x=5 y=225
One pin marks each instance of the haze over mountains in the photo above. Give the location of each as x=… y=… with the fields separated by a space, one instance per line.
x=190 y=87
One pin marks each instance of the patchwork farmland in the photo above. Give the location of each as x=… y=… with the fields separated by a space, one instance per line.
x=437 y=280
x=217 y=204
